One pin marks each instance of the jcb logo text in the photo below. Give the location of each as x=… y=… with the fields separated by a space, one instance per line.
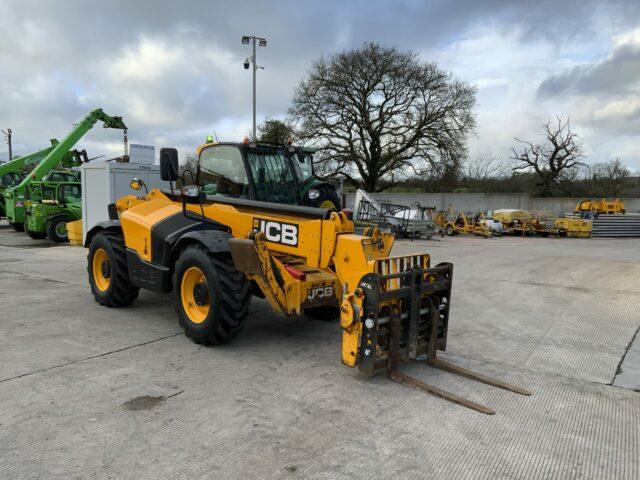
x=278 y=232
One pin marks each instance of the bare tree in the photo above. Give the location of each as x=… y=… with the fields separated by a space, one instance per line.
x=609 y=179
x=378 y=113
x=560 y=153
x=188 y=166
x=485 y=166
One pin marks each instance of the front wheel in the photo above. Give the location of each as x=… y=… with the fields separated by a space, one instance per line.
x=57 y=228
x=108 y=271
x=34 y=235
x=212 y=297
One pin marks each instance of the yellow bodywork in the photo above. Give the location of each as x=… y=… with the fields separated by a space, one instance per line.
x=458 y=222
x=74 y=230
x=327 y=253
x=202 y=146
x=601 y=206
x=574 y=227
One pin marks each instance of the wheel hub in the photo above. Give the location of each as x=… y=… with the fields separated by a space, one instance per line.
x=61 y=230
x=105 y=268
x=200 y=294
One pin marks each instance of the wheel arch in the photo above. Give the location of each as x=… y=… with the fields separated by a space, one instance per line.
x=216 y=241
x=106 y=225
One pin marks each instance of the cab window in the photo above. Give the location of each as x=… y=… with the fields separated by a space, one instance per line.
x=10 y=180
x=273 y=177
x=221 y=171
x=305 y=167
x=48 y=193
x=70 y=194
x=61 y=177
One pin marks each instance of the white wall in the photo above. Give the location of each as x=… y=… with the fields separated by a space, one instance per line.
x=486 y=201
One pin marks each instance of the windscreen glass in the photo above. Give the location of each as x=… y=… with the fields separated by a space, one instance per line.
x=222 y=172
x=273 y=176
x=70 y=193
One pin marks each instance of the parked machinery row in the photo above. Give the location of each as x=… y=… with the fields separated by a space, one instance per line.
x=44 y=199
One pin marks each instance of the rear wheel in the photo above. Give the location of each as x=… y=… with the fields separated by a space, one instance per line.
x=108 y=271
x=450 y=231
x=18 y=227
x=328 y=198
x=57 y=228
x=212 y=297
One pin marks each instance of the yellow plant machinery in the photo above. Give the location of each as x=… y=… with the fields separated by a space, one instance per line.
x=602 y=206
x=214 y=252
x=454 y=223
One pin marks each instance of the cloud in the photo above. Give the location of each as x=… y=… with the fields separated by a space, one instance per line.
x=616 y=75
x=173 y=70
x=603 y=97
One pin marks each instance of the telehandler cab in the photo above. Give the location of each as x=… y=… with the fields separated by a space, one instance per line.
x=264 y=171
x=215 y=251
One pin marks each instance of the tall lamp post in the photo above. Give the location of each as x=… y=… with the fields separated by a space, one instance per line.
x=251 y=61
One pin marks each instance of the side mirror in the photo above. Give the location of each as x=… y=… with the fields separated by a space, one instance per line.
x=135 y=184
x=193 y=194
x=169 y=164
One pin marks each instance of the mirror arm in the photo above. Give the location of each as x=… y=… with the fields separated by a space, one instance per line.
x=188 y=214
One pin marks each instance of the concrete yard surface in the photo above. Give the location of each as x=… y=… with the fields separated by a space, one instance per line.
x=92 y=392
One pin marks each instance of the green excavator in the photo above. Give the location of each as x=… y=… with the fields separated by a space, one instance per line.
x=18 y=199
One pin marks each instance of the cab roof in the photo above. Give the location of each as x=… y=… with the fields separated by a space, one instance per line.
x=265 y=145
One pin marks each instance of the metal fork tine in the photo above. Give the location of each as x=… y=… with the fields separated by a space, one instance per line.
x=434 y=361
x=396 y=376
x=438 y=392
x=463 y=372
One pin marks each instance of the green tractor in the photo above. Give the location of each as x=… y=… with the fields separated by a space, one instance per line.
x=60 y=154
x=19 y=197
x=12 y=173
x=54 y=202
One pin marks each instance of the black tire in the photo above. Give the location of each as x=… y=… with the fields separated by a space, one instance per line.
x=325 y=313
x=120 y=291
x=34 y=235
x=226 y=291
x=18 y=227
x=327 y=195
x=54 y=228
x=450 y=231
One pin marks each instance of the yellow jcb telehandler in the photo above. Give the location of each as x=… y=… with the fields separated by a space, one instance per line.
x=214 y=252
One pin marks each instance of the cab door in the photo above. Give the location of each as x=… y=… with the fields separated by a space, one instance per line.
x=273 y=177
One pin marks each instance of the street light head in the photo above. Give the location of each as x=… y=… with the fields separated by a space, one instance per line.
x=263 y=42
x=245 y=40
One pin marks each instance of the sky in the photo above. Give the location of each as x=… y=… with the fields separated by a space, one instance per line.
x=174 y=70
